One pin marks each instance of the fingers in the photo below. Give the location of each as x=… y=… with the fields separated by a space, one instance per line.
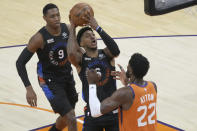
x=121 y=68
x=35 y=101
x=86 y=17
x=29 y=101
x=32 y=101
x=115 y=73
x=116 y=78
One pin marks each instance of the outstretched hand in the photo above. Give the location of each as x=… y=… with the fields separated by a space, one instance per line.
x=120 y=75
x=92 y=76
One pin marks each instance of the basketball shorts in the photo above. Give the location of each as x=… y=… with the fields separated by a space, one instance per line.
x=109 y=122
x=61 y=94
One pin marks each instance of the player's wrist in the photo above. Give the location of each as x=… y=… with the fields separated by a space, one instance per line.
x=29 y=87
x=92 y=86
x=98 y=29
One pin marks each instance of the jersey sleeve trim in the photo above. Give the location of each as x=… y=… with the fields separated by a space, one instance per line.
x=155 y=86
x=132 y=91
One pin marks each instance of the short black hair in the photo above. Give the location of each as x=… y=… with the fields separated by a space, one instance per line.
x=80 y=33
x=47 y=7
x=139 y=65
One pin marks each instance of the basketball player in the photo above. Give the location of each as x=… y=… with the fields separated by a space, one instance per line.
x=136 y=101
x=101 y=60
x=54 y=70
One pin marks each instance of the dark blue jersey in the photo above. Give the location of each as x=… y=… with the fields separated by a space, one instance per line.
x=107 y=85
x=53 y=57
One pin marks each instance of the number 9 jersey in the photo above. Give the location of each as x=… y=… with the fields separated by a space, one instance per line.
x=141 y=116
x=53 y=56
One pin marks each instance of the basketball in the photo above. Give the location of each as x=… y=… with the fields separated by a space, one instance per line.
x=78 y=11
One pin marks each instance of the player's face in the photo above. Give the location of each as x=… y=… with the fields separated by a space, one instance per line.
x=88 y=40
x=53 y=17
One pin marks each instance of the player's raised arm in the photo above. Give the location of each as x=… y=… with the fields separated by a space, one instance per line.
x=112 y=49
x=74 y=51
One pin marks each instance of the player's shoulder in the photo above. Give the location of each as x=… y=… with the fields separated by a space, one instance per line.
x=124 y=92
x=66 y=25
x=36 y=41
x=37 y=37
x=154 y=85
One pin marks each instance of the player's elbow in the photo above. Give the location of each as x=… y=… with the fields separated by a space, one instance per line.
x=116 y=53
x=70 y=55
x=72 y=59
x=18 y=64
x=69 y=52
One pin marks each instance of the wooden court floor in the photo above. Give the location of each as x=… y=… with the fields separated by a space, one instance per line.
x=168 y=57
x=172 y=54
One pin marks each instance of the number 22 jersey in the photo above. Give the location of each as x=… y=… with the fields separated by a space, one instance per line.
x=141 y=116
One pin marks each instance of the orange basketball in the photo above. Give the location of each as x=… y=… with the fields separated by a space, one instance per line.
x=78 y=11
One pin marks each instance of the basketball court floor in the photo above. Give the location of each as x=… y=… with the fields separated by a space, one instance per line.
x=168 y=41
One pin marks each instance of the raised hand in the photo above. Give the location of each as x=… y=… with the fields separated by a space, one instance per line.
x=91 y=21
x=120 y=75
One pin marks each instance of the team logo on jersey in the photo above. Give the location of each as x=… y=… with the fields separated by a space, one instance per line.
x=50 y=40
x=86 y=58
x=101 y=56
x=64 y=35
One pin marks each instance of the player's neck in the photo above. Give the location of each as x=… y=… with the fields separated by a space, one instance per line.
x=140 y=82
x=53 y=31
x=92 y=53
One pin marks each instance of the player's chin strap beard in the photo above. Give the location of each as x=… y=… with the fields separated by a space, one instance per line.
x=132 y=80
x=92 y=49
x=128 y=75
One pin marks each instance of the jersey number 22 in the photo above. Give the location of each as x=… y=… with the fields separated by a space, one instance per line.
x=145 y=108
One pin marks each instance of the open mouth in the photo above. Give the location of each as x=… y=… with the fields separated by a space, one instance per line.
x=94 y=42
